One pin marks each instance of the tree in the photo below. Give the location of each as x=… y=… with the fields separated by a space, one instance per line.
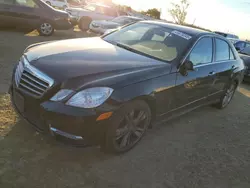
x=153 y=13
x=179 y=11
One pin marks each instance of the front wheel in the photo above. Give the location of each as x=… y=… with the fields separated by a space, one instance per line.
x=127 y=127
x=84 y=23
x=46 y=29
x=227 y=96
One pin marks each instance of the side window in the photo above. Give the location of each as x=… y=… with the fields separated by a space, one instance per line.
x=26 y=3
x=221 y=50
x=231 y=54
x=247 y=45
x=202 y=52
x=7 y=2
x=240 y=45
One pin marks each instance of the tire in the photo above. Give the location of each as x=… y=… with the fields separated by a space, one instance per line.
x=84 y=23
x=227 y=96
x=46 y=29
x=127 y=127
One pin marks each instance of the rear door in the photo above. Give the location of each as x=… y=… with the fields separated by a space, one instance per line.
x=27 y=13
x=7 y=16
x=197 y=84
x=224 y=64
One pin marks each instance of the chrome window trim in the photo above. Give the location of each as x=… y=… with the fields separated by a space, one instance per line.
x=211 y=63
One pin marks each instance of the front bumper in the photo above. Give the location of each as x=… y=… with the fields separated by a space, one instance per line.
x=59 y=119
x=74 y=20
x=97 y=30
x=62 y=24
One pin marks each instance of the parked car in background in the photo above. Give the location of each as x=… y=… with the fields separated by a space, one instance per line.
x=33 y=14
x=108 y=90
x=76 y=3
x=231 y=37
x=240 y=45
x=63 y=4
x=92 y=12
x=103 y=25
x=245 y=56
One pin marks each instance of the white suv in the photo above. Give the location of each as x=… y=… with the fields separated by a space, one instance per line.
x=57 y=3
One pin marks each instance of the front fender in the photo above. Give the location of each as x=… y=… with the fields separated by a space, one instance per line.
x=157 y=92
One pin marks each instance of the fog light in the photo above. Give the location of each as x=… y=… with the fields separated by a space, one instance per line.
x=104 y=116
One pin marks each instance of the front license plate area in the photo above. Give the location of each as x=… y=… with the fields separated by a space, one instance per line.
x=19 y=101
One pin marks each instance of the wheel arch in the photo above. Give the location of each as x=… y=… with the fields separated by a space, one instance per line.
x=151 y=102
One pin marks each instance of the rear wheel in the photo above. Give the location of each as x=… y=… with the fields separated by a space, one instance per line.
x=127 y=127
x=228 y=96
x=84 y=23
x=46 y=29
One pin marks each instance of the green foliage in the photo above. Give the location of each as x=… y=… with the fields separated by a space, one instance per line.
x=179 y=11
x=155 y=13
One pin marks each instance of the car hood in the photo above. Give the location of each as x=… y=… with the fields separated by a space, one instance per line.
x=107 y=23
x=80 y=62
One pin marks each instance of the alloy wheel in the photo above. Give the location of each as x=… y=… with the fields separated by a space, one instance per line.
x=46 y=28
x=131 y=129
x=229 y=94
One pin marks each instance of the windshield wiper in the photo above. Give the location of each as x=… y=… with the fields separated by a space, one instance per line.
x=137 y=51
x=127 y=47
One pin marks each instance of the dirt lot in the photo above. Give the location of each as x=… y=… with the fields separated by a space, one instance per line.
x=205 y=148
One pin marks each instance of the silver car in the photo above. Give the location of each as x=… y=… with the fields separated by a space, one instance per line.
x=101 y=26
x=91 y=12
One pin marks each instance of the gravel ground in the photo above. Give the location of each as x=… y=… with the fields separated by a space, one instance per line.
x=204 y=148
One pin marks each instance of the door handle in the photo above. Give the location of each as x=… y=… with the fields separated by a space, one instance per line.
x=212 y=73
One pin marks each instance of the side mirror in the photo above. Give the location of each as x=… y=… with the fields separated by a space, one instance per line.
x=185 y=67
x=237 y=48
x=189 y=65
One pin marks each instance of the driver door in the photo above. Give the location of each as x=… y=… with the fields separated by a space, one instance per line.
x=196 y=85
x=7 y=16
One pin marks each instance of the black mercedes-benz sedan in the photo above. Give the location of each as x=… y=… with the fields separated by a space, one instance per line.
x=108 y=90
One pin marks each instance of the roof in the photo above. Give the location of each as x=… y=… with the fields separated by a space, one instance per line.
x=132 y=17
x=184 y=29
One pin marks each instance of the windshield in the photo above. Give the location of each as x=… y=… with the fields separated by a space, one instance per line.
x=245 y=51
x=150 y=40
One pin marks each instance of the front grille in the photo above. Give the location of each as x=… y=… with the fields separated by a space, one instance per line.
x=31 y=80
x=18 y=73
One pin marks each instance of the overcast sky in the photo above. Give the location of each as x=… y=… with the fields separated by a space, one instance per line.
x=220 y=15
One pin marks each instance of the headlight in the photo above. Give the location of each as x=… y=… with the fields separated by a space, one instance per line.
x=90 y=98
x=62 y=94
